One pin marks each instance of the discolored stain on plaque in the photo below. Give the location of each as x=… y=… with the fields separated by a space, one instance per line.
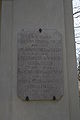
x=40 y=65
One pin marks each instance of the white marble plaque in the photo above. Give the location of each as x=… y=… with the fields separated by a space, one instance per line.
x=40 y=65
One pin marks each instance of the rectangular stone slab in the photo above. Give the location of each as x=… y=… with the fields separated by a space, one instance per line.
x=40 y=64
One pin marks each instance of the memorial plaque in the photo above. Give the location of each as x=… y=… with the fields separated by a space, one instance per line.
x=40 y=65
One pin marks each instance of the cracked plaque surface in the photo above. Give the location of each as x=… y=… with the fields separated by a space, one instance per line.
x=40 y=65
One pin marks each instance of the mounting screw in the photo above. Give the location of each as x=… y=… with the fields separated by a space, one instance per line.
x=40 y=30
x=54 y=98
x=27 y=98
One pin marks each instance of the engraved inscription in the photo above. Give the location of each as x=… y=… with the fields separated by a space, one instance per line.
x=39 y=65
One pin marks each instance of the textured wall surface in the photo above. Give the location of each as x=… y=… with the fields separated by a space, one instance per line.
x=25 y=14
